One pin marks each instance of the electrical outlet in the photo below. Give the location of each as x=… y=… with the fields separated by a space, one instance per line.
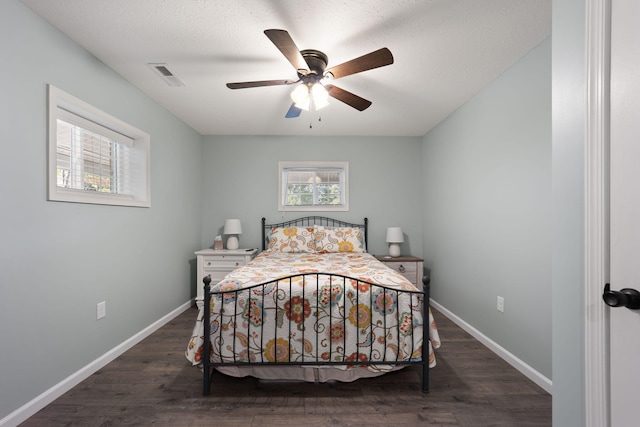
x=500 y=306
x=101 y=310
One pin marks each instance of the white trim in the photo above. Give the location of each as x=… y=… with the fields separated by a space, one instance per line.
x=140 y=155
x=31 y=408
x=596 y=325
x=91 y=125
x=535 y=376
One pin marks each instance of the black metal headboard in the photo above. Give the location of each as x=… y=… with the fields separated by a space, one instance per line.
x=308 y=221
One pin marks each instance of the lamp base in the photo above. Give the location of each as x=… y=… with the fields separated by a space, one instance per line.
x=394 y=250
x=232 y=242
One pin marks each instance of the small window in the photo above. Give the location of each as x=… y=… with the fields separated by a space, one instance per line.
x=313 y=186
x=94 y=157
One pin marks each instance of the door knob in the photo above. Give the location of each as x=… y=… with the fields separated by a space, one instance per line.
x=626 y=297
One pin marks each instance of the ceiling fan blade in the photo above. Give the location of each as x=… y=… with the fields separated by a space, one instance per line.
x=284 y=42
x=375 y=59
x=348 y=98
x=243 y=85
x=293 y=112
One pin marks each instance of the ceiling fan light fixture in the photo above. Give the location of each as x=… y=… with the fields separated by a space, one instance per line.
x=320 y=96
x=304 y=105
x=300 y=97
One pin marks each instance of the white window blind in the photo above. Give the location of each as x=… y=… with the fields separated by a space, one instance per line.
x=91 y=157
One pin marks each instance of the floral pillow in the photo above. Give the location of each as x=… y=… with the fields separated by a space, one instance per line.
x=338 y=239
x=292 y=239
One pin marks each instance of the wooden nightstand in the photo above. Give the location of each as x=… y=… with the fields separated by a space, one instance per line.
x=409 y=266
x=218 y=263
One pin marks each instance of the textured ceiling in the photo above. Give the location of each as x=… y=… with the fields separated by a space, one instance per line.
x=444 y=51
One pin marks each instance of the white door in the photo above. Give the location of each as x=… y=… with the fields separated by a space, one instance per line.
x=625 y=210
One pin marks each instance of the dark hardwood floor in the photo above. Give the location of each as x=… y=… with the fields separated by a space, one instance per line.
x=153 y=384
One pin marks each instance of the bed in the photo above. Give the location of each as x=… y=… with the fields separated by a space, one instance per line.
x=313 y=306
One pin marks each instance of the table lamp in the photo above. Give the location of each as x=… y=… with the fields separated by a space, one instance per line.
x=394 y=237
x=232 y=227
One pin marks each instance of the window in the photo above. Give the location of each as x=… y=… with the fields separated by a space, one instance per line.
x=313 y=186
x=94 y=157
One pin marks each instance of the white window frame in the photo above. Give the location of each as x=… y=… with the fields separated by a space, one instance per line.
x=68 y=108
x=316 y=166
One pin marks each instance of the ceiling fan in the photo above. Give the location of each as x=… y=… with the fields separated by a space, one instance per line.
x=313 y=90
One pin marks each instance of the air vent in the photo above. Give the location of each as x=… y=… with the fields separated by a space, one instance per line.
x=169 y=78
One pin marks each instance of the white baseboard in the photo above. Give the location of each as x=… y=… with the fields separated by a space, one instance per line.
x=31 y=408
x=512 y=360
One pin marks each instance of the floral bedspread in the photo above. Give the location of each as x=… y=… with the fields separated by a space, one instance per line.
x=278 y=322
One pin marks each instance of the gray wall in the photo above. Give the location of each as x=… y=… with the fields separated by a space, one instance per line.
x=487 y=215
x=57 y=260
x=242 y=182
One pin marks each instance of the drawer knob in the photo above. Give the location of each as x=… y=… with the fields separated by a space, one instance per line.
x=209 y=263
x=401 y=268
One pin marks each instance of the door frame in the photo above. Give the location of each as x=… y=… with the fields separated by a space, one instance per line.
x=596 y=220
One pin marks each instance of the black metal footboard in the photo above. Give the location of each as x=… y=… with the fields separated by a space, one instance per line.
x=315 y=325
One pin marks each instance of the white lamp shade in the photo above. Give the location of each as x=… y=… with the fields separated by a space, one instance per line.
x=300 y=97
x=395 y=235
x=232 y=226
x=320 y=96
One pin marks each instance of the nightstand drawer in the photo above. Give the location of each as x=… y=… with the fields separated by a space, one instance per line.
x=409 y=266
x=216 y=275
x=407 y=269
x=223 y=261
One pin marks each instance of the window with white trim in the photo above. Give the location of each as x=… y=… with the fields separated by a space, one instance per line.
x=313 y=186
x=94 y=157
